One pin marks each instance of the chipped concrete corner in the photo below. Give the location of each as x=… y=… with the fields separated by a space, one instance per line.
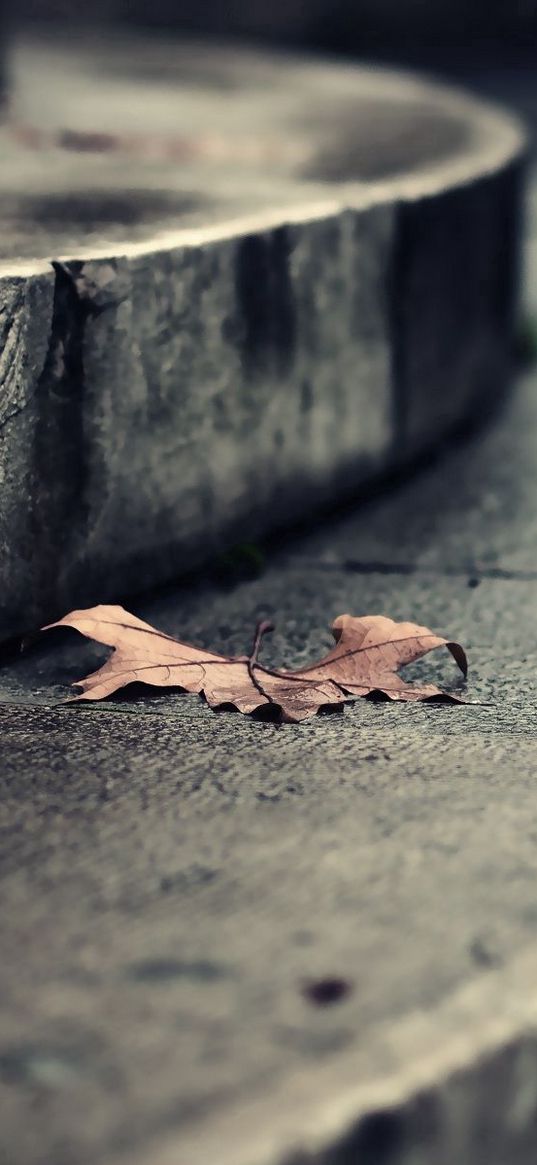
x=162 y=398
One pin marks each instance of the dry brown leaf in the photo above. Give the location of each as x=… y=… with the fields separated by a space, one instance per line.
x=365 y=660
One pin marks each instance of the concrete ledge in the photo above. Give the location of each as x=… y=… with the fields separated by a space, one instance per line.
x=456 y=1085
x=209 y=332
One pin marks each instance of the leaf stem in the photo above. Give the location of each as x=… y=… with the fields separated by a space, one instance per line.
x=263 y=628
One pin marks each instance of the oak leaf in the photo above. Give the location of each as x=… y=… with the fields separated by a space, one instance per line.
x=364 y=661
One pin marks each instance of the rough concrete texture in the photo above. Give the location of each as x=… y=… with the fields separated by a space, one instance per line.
x=276 y=280
x=229 y=943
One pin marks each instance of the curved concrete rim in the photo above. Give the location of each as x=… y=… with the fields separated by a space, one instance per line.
x=497 y=139
x=345 y=331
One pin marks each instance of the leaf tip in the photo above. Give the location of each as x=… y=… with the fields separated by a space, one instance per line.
x=459 y=655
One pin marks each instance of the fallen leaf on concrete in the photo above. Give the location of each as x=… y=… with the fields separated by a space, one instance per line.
x=364 y=661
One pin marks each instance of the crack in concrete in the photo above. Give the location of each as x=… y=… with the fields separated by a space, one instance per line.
x=473 y=572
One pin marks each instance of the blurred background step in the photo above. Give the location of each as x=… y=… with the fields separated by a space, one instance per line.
x=234 y=287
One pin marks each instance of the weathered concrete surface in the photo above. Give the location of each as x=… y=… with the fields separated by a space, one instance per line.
x=171 y=880
x=247 y=321
x=161 y=916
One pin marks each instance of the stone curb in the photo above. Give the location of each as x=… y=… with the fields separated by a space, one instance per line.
x=166 y=392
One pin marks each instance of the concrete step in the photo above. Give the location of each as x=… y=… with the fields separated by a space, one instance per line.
x=233 y=287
